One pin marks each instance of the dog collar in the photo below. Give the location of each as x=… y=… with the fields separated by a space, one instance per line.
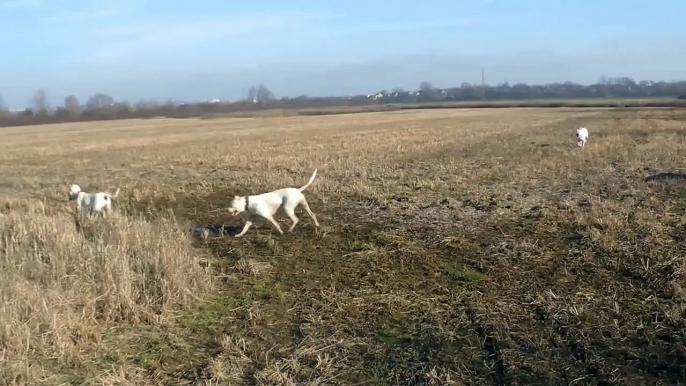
x=246 y=203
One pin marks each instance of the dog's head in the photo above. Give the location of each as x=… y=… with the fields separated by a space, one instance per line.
x=74 y=191
x=237 y=205
x=580 y=137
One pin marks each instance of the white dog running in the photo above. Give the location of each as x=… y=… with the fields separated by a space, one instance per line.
x=581 y=136
x=265 y=206
x=100 y=202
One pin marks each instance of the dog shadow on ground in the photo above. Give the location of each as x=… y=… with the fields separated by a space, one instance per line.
x=204 y=231
x=208 y=230
x=666 y=176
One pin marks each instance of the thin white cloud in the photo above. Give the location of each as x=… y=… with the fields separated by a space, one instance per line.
x=84 y=12
x=160 y=35
x=134 y=39
x=79 y=16
x=410 y=25
x=123 y=32
x=393 y=26
x=21 y=4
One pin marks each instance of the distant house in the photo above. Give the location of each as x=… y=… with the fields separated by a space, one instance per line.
x=375 y=96
x=15 y=111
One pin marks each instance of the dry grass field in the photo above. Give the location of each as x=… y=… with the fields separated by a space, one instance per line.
x=457 y=247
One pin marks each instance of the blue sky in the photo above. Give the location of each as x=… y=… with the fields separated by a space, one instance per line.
x=154 y=49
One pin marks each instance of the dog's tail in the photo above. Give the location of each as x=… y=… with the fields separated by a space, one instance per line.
x=309 y=182
x=114 y=195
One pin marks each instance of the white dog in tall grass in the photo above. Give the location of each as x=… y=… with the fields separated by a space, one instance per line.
x=581 y=136
x=100 y=202
x=265 y=206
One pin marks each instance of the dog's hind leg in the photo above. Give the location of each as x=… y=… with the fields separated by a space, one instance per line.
x=291 y=213
x=307 y=209
x=276 y=224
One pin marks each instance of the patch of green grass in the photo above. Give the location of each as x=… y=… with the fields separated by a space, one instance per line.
x=112 y=358
x=260 y=291
x=377 y=374
x=269 y=242
x=159 y=348
x=146 y=360
x=401 y=331
x=362 y=246
x=467 y=275
x=269 y=291
x=279 y=292
x=205 y=319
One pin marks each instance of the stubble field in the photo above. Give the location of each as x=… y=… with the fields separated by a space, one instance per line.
x=456 y=247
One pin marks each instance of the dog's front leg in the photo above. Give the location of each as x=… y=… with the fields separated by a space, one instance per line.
x=247 y=225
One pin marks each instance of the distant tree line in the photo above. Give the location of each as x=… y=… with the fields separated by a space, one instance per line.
x=621 y=87
x=102 y=106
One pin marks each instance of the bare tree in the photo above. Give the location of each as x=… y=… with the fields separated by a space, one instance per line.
x=72 y=105
x=3 y=107
x=260 y=94
x=139 y=105
x=264 y=94
x=40 y=102
x=99 y=101
x=398 y=90
x=143 y=105
x=252 y=94
x=426 y=86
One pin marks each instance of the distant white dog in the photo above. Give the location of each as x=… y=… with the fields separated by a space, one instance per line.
x=265 y=206
x=581 y=136
x=100 y=202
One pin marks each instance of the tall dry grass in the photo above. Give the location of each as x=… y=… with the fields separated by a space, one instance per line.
x=66 y=278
